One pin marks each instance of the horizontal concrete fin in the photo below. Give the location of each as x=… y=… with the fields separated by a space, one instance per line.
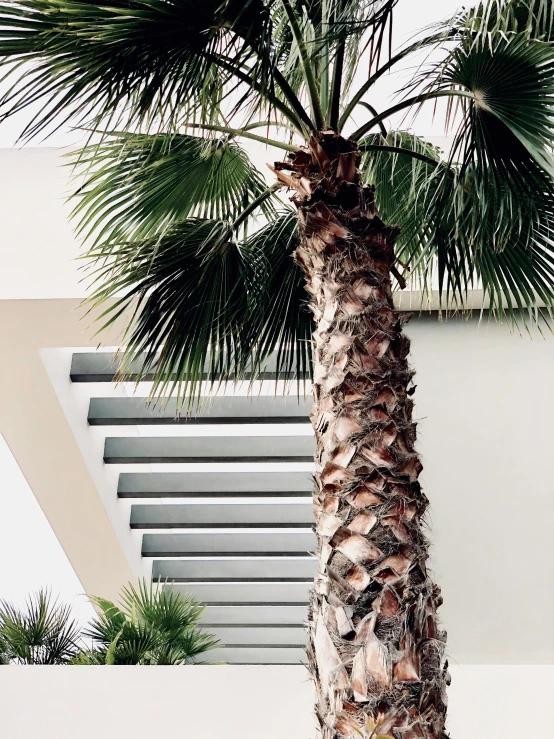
x=255 y=615
x=259 y=636
x=214 y=484
x=103 y=367
x=236 y=570
x=161 y=449
x=247 y=592
x=223 y=515
x=223 y=543
x=230 y=410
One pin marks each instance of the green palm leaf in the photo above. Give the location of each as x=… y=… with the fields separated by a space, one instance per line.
x=402 y=189
x=154 y=626
x=459 y=230
x=139 y=185
x=499 y=201
x=482 y=217
x=278 y=318
x=42 y=633
x=532 y=18
x=136 y=62
x=188 y=296
x=163 y=608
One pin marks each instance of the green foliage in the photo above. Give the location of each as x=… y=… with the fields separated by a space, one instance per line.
x=188 y=291
x=138 y=185
x=278 y=318
x=532 y=18
x=137 y=62
x=42 y=633
x=4 y=655
x=182 y=226
x=216 y=305
x=152 y=625
x=484 y=217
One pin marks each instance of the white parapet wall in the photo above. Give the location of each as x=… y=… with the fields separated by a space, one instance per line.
x=242 y=702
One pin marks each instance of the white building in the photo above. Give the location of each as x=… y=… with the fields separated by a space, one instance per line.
x=484 y=402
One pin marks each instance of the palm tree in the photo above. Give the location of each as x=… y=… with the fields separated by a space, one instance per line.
x=212 y=262
x=152 y=626
x=42 y=633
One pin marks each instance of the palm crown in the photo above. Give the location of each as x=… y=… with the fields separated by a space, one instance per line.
x=184 y=229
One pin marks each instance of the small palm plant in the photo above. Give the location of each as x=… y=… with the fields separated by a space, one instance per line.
x=152 y=625
x=42 y=633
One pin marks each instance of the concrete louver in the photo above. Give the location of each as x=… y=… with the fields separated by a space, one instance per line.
x=272 y=600
x=215 y=449
x=103 y=367
x=225 y=543
x=205 y=485
x=239 y=541
x=222 y=515
x=291 y=636
x=254 y=614
x=235 y=569
x=228 y=410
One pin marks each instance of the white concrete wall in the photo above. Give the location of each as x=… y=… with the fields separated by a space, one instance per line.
x=230 y=702
x=38 y=252
x=484 y=404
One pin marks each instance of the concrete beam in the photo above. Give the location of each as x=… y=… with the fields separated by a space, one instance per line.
x=41 y=440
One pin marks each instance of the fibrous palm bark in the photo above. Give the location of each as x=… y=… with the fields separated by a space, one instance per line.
x=375 y=651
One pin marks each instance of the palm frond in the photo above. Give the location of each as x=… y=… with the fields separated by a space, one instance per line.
x=153 y=626
x=461 y=230
x=42 y=633
x=512 y=81
x=532 y=18
x=403 y=191
x=278 y=319
x=500 y=201
x=131 y=63
x=164 y=608
x=139 y=185
x=187 y=293
x=326 y=42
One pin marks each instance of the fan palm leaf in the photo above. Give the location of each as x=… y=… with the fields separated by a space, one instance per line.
x=152 y=625
x=41 y=633
x=136 y=186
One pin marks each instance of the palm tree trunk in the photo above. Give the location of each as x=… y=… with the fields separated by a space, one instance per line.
x=375 y=651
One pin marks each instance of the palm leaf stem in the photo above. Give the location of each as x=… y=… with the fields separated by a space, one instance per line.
x=262 y=124
x=307 y=65
x=349 y=109
x=373 y=112
x=292 y=99
x=254 y=204
x=334 y=112
x=408 y=103
x=244 y=134
x=295 y=114
x=324 y=60
x=400 y=150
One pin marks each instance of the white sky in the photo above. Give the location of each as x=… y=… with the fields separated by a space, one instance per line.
x=30 y=555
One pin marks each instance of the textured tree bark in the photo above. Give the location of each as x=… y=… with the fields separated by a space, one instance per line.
x=375 y=651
